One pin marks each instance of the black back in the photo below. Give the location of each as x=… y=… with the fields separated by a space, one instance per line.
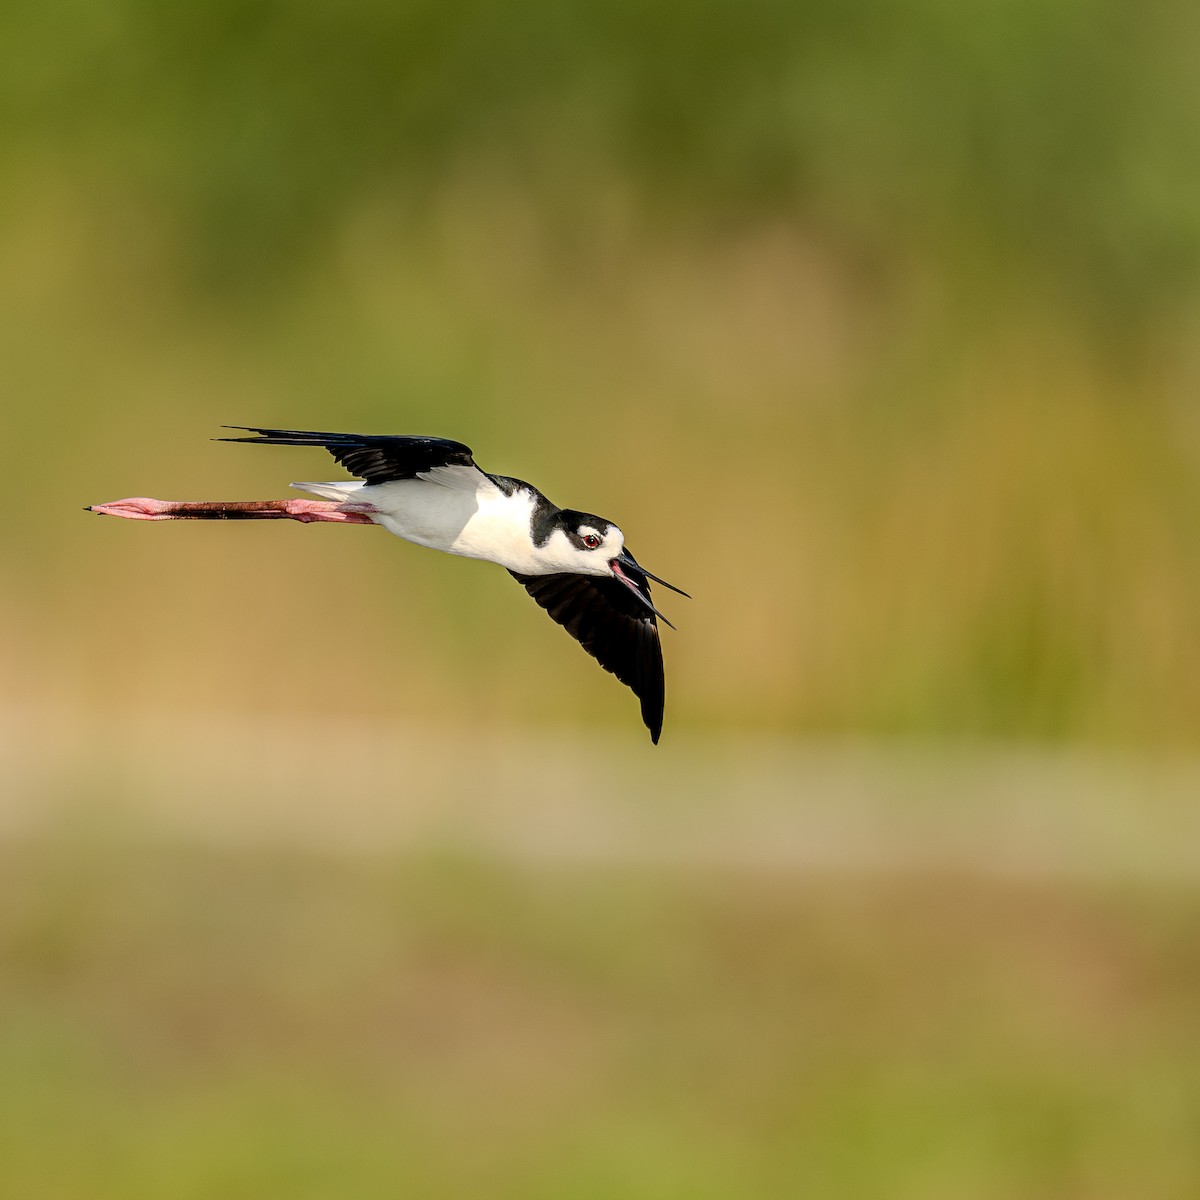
x=604 y=617
x=377 y=458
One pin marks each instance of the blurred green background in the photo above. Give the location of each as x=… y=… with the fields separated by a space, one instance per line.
x=331 y=868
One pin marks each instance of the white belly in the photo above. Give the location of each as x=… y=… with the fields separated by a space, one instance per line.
x=483 y=524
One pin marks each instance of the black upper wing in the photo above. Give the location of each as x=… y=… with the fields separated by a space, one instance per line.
x=375 y=458
x=608 y=622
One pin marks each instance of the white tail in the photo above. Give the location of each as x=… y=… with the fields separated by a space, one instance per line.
x=332 y=491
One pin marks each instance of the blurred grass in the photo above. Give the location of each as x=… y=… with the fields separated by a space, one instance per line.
x=182 y=1023
x=1058 y=134
x=875 y=326
x=923 y=276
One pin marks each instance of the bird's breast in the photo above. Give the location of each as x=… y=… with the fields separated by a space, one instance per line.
x=486 y=523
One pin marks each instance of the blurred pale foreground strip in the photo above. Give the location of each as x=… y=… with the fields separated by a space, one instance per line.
x=567 y=797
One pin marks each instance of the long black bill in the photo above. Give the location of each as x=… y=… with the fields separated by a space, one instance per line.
x=626 y=561
x=631 y=564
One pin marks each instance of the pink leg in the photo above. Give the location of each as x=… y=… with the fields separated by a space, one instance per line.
x=142 y=508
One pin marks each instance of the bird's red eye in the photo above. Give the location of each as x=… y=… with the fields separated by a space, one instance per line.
x=591 y=541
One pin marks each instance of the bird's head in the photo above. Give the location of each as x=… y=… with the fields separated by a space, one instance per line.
x=584 y=544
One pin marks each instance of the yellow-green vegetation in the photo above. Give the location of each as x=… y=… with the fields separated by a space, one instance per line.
x=875 y=325
x=925 y=274
x=181 y=1023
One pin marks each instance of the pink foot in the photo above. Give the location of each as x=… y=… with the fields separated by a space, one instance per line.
x=137 y=508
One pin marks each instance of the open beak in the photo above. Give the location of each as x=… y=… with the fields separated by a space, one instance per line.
x=631 y=564
x=627 y=569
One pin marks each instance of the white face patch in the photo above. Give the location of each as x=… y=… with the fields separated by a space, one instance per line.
x=613 y=543
x=561 y=553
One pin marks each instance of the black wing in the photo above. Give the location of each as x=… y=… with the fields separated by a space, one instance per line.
x=375 y=458
x=605 y=618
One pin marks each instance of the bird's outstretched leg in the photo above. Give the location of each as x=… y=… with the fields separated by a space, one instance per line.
x=142 y=508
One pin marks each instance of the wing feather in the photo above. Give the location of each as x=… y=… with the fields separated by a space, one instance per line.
x=603 y=616
x=374 y=457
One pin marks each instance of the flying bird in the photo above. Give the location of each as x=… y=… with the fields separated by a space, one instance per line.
x=429 y=491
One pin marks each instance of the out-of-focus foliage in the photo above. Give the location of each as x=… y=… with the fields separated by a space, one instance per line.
x=1055 y=140
x=873 y=324
x=181 y=1023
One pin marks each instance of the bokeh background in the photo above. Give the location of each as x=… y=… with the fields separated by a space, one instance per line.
x=332 y=869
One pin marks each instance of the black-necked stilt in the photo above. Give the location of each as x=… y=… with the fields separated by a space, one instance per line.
x=429 y=491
